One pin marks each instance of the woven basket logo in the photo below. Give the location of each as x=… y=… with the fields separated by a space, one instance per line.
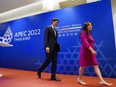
x=7 y=38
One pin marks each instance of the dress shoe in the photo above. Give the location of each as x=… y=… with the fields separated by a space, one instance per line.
x=55 y=78
x=39 y=74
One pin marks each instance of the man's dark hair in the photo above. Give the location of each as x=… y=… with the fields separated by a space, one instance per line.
x=55 y=19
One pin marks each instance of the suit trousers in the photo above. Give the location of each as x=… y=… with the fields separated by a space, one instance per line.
x=50 y=58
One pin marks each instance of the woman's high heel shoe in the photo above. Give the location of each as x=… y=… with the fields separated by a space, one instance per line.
x=105 y=83
x=1 y=75
x=81 y=82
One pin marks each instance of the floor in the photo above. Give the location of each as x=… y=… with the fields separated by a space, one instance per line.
x=22 y=78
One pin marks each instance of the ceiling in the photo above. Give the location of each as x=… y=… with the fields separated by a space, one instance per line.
x=14 y=9
x=6 y=5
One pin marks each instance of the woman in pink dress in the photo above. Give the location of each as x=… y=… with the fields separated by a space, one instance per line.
x=88 y=54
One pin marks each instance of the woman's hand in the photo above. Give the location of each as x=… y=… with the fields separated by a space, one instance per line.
x=92 y=51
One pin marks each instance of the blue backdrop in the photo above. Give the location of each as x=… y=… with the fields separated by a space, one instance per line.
x=21 y=41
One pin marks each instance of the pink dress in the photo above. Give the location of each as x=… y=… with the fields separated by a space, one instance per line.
x=86 y=57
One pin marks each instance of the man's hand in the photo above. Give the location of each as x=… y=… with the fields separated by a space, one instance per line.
x=47 y=50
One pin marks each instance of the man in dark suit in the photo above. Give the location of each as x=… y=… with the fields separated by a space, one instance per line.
x=51 y=50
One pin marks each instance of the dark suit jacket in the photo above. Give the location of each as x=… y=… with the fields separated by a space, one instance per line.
x=50 y=40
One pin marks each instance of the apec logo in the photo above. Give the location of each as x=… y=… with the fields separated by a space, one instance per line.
x=18 y=36
x=26 y=35
x=7 y=38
